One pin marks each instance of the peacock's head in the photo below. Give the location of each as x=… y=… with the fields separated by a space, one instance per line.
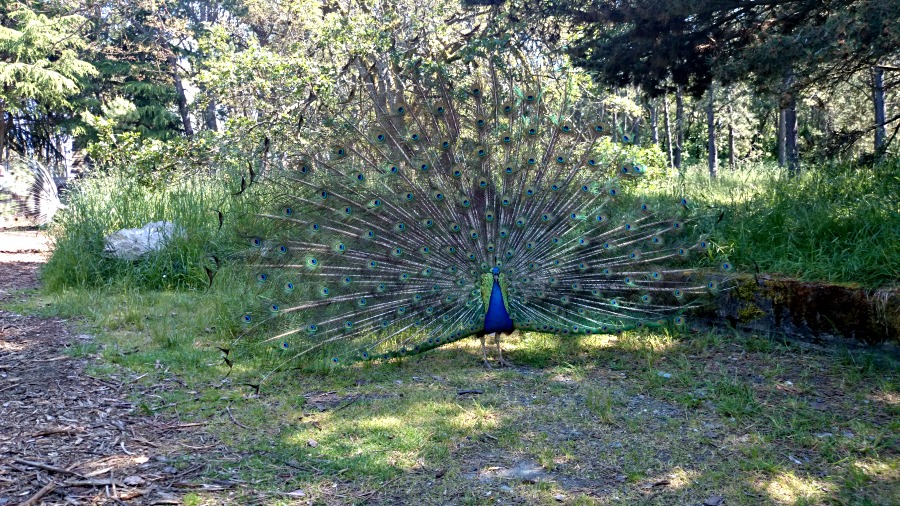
x=495 y=271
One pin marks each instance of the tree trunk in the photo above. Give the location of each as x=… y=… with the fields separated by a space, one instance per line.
x=878 y=100
x=679 y=126
x=668 y=130
x=209 y=113
x=731 y=155
x=209 y=116
x=615 y=127
x=8 y=128
x=654 y=122
x=711 y=133
x=780 y=133
x=180 y=98
x=791 y=153
x=2 y=137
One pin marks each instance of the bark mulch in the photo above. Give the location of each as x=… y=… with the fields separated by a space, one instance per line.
x=67 y=437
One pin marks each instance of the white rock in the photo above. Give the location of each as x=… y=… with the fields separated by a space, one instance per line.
x=133 y=243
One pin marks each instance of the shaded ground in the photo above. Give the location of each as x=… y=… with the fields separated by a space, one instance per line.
x=67 y=437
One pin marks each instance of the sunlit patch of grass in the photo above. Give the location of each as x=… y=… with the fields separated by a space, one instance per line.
x=787 y=487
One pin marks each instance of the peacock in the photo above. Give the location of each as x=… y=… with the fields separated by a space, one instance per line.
x=435 y=205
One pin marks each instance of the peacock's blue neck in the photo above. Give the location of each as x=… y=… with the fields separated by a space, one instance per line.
x=497 y=318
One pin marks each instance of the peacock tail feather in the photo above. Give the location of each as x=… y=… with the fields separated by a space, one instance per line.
x=381 y=242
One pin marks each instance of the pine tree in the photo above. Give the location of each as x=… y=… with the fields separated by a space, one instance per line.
x=40 y=73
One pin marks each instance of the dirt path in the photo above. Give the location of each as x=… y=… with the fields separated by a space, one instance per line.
x=67 y=437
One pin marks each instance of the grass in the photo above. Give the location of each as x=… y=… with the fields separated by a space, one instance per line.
x=633 y=418
x=102 y=204
x=834 y=223
x=838 y=224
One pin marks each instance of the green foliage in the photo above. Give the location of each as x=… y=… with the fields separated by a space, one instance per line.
x=137 y=105
x=42 y=70
x=730 y=40
x=38 y=59
x=153 y=161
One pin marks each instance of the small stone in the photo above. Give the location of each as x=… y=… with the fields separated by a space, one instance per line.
x=715 y=500
x=133 y=481
x=559 y=497
x=506 y=488
x=296 y=493
x=170 y=470
x=312 y=443
x=664 y=374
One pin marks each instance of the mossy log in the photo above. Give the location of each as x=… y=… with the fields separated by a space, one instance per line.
x=810 y=310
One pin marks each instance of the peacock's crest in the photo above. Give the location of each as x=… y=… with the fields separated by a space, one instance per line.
x=427 y=195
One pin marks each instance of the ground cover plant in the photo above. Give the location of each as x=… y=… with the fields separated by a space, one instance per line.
x=837 y=223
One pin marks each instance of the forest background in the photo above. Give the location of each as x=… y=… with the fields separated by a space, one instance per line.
x=153 y=85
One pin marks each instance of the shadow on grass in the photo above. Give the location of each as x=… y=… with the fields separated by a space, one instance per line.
x=624 y=419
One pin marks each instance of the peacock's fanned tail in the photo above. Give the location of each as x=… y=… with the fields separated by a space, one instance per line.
x=382 y=241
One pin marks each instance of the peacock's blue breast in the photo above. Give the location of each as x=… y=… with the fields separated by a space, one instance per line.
x=497 y=318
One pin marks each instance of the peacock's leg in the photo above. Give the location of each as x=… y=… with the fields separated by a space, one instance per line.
x=484 y=353
x=503 y=363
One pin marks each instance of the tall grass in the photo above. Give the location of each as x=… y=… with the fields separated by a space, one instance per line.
x=836 y=223
x=101 y=205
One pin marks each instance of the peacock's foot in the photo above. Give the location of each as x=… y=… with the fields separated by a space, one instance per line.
x=487 y=364
x=501 y=362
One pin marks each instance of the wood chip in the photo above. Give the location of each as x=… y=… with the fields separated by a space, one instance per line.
x=31 y=501
x=46 y=467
